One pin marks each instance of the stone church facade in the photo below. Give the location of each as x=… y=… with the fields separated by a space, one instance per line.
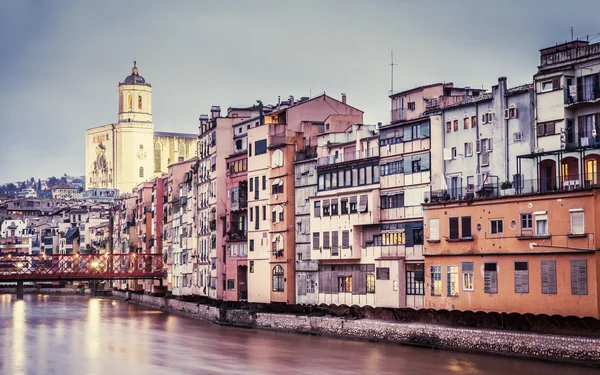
x=129 y=152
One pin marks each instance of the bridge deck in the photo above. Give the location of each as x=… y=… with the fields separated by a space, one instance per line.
x=80 y=267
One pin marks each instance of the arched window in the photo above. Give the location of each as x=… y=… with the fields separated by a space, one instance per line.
x=277 y=214
x=182 y=153
x=120 y=102
x=157 y=157
x=139 y=102
x=278 y=279
x=277 y=243
x=277 y=159
x=129 y=102
x=277 y=186
x=141 y=172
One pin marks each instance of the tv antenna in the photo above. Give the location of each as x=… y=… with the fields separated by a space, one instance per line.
x=392 y=71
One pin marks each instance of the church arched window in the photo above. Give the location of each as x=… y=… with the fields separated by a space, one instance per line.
x=139 y=102
x=157 y=157
x=129 y=102
x=120 y=102
x=141 y=172
x=182 y=153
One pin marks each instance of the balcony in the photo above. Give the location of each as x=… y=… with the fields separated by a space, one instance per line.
x=236 y=235
x=348 y=157
x=588 y=92
x=306 y=154
x=584 y=139
x=525 y=187
x=397 y=115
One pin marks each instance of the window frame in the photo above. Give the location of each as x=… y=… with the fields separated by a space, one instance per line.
x=499 y=229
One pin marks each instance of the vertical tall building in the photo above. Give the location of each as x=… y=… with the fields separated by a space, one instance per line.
x=130 y=151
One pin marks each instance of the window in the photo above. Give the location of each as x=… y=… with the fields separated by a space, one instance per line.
x=466 y=122
x=278 y=279
x=316 y=241
x=453 y=224
x=415 y=279
x=157 y=157
x=251 y=187
x=452 y=281
x=551 y=84
x=334 y=243
x=345 y=284
x=512 y=111
x=468 y=149
x=363 y=203
x=129 y=102
x=473 y=121
x=394 y=238
x=466 y=227
x=353 y=206
x=518 y=137
x=334 y=207
x=526 y=221
x=141 y=172
x=546 y=128
x=416 y=165
x=370 y=282
x=264 y=182
x=139 y=102
x=326 y=240
x=496 y=226
x=277 y=186
x=317 y=209
x=577 y=223
x=454 y=153
x=470 y=183
x=251 y=266
x=382 y=273
x=345 y=239
x=230 y=284
x=591 y=172
x=260 y=147
x=434 y=229
x=310 y=283
x=344 y=206
x=548 y=276
x=392 y=201
x=264 y=209
x=395 y=167
x=448 y=126
x=326 y=207
x=468 y=276
x=411 y=106
x=490 y=278
x=277 y=159
x=521 y=277
x=541 y=224
x=579 y=277
x=456 y=125
x=251 y=245
x=436 y=280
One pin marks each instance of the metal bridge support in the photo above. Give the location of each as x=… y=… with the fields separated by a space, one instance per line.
x=20 y=290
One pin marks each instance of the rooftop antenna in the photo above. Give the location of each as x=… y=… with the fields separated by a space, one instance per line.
x=571 y=33
x=392 y=69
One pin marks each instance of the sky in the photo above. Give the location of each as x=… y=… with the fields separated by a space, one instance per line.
x=61 y=61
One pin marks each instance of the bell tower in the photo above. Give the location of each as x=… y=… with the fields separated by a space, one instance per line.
x=135 y=98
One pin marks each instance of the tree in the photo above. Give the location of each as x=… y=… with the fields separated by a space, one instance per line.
x=39 y=185
x=52 y=182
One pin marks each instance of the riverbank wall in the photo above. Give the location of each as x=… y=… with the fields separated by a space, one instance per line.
x=541 y=346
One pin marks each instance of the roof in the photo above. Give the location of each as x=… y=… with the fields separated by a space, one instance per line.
x=178 y=135
x=421 y=88
x=472 y=100
x=309 y=100
x=519 y=89
x=64 y=186
x=72 y=233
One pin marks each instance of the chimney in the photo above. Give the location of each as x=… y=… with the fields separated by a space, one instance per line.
x=502 y=85
x=215 y=111
x=278 y=102
x=291 y=100
x=203 y=119
x=466 y=96
x=344 y=97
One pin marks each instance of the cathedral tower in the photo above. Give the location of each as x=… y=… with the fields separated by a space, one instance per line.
x=135 y=98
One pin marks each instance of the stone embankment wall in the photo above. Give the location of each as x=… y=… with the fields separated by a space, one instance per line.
x=553 y=347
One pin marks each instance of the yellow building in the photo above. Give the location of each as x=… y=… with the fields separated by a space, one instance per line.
x=125 y=154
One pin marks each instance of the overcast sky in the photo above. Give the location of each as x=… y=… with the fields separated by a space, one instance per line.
x=61 y=61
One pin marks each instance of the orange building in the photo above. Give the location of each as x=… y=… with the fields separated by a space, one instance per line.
x=522 y=253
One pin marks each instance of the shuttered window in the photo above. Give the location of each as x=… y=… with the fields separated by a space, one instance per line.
x=301 y=284
x=326 y=240
x=577 y=226
x=316 y=240
x=353 y=205
x=579 y=277
x=548 y=276
x=334 y=243
x=453 y=223
x=466 y=227
x=490 y=278
x=521 y=277
x=317 y=208
x=345 y=239
x=363 y=203
x=434 y=229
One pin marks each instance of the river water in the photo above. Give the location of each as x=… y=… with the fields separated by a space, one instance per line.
x=78 y=335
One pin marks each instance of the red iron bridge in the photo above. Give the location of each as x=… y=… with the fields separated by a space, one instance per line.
x=75 y=267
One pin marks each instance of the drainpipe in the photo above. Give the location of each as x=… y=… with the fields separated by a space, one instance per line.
x=507 y=134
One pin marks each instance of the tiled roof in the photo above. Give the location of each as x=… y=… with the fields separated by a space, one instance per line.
x=519 y=89
x=421 y=88
x=63 y=186
x=472 y=100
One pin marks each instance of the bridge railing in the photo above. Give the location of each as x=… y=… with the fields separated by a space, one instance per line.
x=80 y=266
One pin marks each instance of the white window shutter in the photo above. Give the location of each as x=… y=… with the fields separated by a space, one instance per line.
x=434 y=229
x=506 y=114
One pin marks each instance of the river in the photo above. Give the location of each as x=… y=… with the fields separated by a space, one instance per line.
x=51 y=334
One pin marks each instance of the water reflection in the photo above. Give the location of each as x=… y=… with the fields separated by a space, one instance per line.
x=76 y=335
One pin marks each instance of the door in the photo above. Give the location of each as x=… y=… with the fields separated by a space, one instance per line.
x=454 y=187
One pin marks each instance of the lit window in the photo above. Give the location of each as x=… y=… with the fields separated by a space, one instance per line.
x=278 y=279
x=468 y=276
x=436 y=280
x=345 y=284
x=452 y=281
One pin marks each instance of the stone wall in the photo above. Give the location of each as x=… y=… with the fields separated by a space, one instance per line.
x=553 y=347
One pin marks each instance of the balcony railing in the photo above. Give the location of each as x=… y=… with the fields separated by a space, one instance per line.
x=397 y=115
x=585 y=139
x=543 y=185
x=348 y=157
x=237 y=234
